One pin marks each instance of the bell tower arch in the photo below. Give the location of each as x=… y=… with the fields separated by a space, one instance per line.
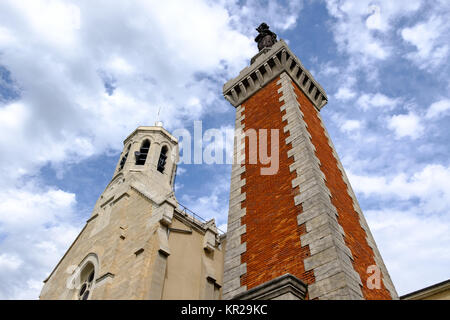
x=150 y=155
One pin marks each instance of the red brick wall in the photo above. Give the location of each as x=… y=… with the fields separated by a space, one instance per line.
x=272 y=233
x=355 y=236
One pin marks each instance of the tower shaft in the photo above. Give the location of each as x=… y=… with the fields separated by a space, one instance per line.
x=303 y=221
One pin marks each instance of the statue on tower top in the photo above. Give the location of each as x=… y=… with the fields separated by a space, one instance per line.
x=265 y=38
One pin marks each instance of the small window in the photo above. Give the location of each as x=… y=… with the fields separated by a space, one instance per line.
x=162 y=159
x=124 y=159
x=141 y=155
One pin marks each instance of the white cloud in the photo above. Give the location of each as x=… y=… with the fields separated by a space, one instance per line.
x=430 y=40
x=377 y=100
x=56 y=23
x=411 y=244
x=9 y=262
x=351 y=34
x=350 y=125
x=117 y=65
x=411 y=224
x=247 y=14
x=328 y=69
x=375 y=20
x=37 y=226
x=344 y=94
x=180 y=171
x=430 y=186
x=406 y=125
x=438 y=108
x=6 y=37
x=357 y=21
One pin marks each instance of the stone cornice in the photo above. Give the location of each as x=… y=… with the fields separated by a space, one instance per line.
x=146 y=129
x=266 y=67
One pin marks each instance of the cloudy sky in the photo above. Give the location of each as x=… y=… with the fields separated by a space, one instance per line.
x=76 y=77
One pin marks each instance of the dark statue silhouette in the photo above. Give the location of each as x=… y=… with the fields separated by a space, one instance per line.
x=265 y=38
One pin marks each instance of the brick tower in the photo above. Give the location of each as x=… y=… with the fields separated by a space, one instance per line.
x=296 y=232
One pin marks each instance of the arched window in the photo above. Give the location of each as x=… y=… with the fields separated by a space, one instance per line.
x=87 y=276
x=141 y=155
x=124 y=158
x=162 y=159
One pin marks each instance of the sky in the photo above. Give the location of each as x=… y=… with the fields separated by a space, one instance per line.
x=76 y=77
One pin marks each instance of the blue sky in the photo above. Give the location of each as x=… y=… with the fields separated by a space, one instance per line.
x=76 y=78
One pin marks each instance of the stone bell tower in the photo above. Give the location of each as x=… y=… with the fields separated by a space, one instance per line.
x=136 y=243
x=297 y=233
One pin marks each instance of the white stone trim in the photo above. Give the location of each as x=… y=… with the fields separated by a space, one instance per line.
x=331 y=259
x=233 y=266
x=362 y=220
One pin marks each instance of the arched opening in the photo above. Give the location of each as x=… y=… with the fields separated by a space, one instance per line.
x=87 y=277
x=124 y=158
x=141 y=155
x=162 y=159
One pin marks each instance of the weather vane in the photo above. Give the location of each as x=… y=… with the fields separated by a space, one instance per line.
x=158 y=122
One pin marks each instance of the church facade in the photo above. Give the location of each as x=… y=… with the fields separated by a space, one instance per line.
x=138 y=243
x=295 y=228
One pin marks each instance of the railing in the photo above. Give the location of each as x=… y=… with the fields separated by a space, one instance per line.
x=188 y=212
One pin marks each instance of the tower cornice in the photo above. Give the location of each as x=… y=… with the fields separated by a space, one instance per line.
x=266 y=66
x=151 y=129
